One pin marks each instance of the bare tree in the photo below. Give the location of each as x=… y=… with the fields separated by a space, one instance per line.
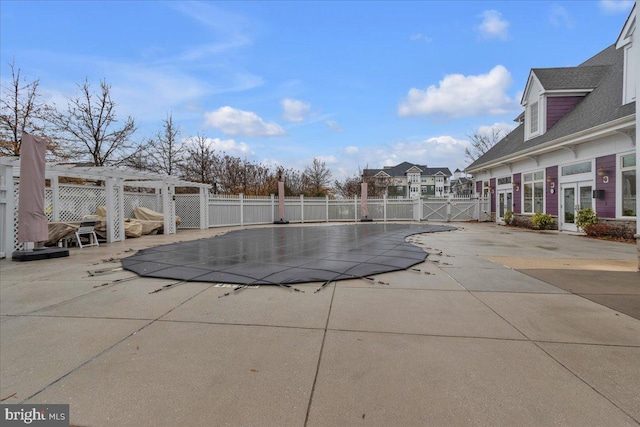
x=482 y=142
x=90 y=126
x=377 y=186
x=21 y=111
x=165 y=150
x=318 y=176
x=348 y=188
x=200 y=162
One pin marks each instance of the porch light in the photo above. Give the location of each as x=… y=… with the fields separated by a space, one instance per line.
x=602 y=173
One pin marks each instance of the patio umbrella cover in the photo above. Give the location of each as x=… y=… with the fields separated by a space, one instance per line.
x=32 y=220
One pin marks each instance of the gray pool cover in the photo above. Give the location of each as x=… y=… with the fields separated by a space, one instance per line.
x=286 y=255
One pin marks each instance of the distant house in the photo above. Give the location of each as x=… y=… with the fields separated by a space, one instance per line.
x=575 y=143
x=461 y=185
x=410 y=180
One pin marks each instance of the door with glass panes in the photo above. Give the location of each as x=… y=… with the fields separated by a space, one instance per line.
x=574 y=196
x=505 y=203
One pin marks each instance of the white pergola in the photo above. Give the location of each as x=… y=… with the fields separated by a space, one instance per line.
x=115 y=180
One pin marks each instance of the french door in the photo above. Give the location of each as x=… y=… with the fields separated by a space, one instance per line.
x=574 y=196
x=505 y=203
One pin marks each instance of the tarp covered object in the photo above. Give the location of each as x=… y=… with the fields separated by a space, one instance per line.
x=274 y=256
x=32 y=220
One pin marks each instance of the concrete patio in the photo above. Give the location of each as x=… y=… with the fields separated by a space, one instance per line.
x=501 y=326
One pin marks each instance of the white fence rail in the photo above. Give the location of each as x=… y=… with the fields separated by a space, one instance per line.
x=67 y=202
x=233 y=210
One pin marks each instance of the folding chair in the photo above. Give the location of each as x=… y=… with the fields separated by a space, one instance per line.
x=86 y=230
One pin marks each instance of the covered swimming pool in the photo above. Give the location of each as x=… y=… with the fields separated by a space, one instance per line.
x=286 y=255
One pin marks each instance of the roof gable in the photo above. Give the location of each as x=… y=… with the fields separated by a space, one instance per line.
x=600 y=106
x=627 y=31
x=584 y=78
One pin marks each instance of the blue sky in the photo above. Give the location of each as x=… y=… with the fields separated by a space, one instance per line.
x=356 y=84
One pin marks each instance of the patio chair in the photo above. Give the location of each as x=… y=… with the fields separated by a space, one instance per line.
x=86 y=230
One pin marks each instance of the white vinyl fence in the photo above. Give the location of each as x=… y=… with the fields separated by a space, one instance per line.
x=233 y=210
x=69 y=202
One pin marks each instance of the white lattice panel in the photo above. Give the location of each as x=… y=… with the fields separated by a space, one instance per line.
x=48 y=203
x=76 y=201
x=16 y=197
x=135 y=200
x=188 y=209
x=118 y=232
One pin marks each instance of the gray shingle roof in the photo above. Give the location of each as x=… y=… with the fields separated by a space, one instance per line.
x=401 y=170
x=571 y=77
x=600 y=106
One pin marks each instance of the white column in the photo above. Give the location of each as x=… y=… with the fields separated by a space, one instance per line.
x=111 y=217
x=302 y=208
x=204 y=209
x=169 y=208
x=55 y=198
x=8 y=200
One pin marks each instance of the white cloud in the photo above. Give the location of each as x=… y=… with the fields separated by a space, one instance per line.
x=334 y=126
x=615 y=6
x=559 y=17
x=458 y=96
x=351 y=150
x=233 y=121
x=501 y=128
x=330 y=160
x=420 y=36
x=295 y=110
x=229 y=146
x=493 y=26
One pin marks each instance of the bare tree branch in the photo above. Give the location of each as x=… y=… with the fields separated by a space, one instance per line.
x=482 y=142
x=89 y=126
x=21 y=111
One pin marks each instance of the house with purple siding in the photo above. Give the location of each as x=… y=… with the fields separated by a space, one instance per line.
x=575 y=143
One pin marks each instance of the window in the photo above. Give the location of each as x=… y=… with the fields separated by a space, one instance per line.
x=533 y=189
x=533 y=118
x=576 y=169
x=628 y=184
x=502 y=181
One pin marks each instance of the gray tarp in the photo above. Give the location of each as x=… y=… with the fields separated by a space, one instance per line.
x=285 y=255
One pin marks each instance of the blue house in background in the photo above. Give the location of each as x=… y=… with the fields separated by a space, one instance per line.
x=575 y=144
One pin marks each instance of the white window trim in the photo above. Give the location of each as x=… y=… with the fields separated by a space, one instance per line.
x=619 y=157
x=544 y=191
x=578 y=177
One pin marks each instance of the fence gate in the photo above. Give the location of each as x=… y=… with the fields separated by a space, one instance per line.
x=463 y=210
x=435 y=210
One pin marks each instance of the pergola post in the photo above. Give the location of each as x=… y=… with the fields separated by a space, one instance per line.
x=55 y=197
x=7 y=200
x=114 y=188
x=169 y=208
x=204 y=208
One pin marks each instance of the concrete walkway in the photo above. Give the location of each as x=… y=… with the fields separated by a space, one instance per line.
x=500 y=327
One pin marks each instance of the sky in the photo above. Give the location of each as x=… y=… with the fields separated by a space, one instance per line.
x=361 y=84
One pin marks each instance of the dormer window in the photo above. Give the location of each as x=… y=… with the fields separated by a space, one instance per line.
x=534 y=124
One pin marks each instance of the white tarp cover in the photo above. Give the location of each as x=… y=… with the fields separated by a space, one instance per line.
x=32 y=220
